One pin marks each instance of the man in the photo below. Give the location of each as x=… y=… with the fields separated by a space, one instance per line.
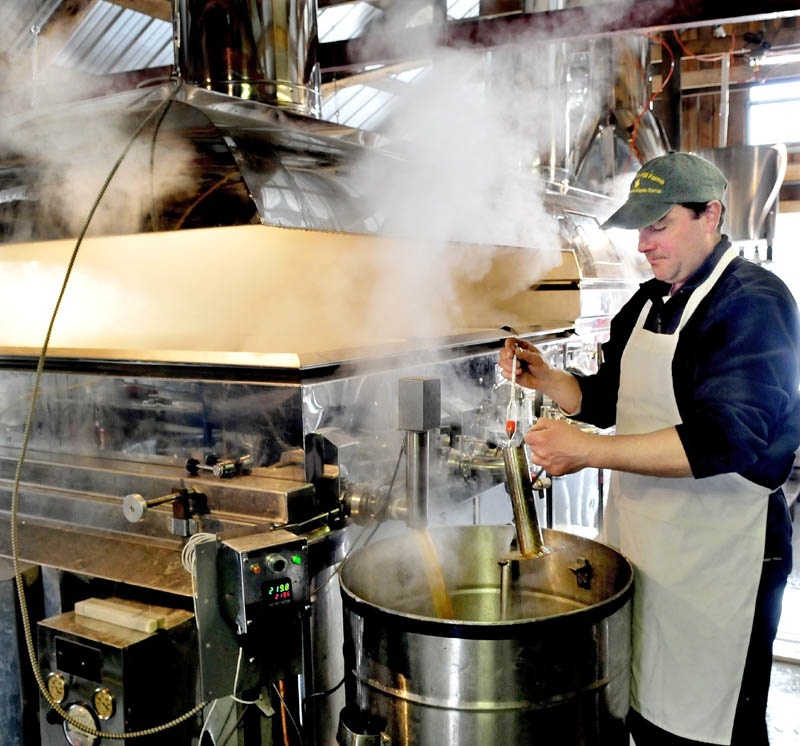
x=700 y=377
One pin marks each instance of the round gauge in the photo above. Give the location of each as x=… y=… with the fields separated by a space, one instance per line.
x=57 y=687
x=104 y=703
x=81 y=713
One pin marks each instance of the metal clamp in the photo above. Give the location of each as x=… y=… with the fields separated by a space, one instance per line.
x=186 y=504
x=359 y=729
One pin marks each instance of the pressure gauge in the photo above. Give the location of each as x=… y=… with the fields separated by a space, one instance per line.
x=104 y=703
x=83 y=715
x=57 y=687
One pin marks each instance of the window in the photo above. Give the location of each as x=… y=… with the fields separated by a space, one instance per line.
x=773 y=113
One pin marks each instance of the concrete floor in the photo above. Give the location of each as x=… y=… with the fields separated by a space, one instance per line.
x=783 y=708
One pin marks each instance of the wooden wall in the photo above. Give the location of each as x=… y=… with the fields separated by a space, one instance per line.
x=701 y=83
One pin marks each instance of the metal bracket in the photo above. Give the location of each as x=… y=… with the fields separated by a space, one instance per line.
x=583 y=572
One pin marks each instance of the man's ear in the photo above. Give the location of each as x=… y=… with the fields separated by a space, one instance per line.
x=713 y=213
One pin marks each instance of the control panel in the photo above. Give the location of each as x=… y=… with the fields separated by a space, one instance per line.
x=271 y=570
x=251 y=591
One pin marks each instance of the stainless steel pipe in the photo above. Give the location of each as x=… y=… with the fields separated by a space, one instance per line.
x=263 y=50
x=417 y=466
x=419 y=412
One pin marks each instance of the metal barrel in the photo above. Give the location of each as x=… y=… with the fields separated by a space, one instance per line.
x=557 y=663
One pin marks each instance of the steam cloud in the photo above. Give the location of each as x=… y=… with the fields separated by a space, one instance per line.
x=74 y=148
x=476 y=132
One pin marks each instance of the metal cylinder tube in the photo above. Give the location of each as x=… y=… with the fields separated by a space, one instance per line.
x=264 y=50
x=417 y=463
x=520 y=488
x=505 y=587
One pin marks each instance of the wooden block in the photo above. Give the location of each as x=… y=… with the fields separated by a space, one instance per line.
x=122 y=613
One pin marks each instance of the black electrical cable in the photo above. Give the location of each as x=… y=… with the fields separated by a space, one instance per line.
x=326 y=693
x=332 y=690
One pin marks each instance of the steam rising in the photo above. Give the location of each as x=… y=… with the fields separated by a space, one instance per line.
x=476 y=131
x=469 y=189
x=73 y=150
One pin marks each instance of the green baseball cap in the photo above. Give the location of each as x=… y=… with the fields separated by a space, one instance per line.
x=666 y=181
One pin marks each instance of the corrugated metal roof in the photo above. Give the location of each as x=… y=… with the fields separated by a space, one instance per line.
x=366 y=106
x=112 y=39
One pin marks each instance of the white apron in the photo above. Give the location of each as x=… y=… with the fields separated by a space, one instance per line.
x=697 y=546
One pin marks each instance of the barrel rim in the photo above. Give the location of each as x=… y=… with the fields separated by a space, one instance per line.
x=496 y=630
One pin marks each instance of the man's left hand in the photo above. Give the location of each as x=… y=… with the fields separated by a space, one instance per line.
x=558 y=446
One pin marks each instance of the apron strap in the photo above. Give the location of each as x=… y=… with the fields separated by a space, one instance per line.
x=697 y=295
x=704 y=287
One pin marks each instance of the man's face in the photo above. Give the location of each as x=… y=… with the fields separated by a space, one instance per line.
x=679 y=243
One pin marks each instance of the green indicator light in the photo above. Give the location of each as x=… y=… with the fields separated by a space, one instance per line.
x=297 y=559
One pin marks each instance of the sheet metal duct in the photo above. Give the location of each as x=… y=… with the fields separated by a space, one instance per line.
x=601 y=87
x=755 y=174
x=248 y=107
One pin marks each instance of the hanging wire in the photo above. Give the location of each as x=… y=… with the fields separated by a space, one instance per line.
x=24 y=614
x=210 y=190
x=223 y=741
x=706 y=57
x=288 y=711
x=154 y=223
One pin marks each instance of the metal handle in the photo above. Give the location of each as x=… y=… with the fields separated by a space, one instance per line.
x=221 y=467
x=134 y=506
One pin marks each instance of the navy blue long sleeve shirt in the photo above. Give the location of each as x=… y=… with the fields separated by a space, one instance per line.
x=735 y=372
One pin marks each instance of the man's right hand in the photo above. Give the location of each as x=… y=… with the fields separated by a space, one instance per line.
x=532 y=370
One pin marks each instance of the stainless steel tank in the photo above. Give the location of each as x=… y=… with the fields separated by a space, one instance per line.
x=755 y=174
x=556 y=663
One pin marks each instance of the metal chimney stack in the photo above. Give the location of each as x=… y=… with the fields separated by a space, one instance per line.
x=260 y=50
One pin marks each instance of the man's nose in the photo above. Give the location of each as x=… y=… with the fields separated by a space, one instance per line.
x=645 y=241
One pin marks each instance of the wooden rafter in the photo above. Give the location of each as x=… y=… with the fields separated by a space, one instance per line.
x=161 y=9
x=54 y=35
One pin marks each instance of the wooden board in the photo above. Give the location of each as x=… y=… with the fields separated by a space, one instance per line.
x=123 y=613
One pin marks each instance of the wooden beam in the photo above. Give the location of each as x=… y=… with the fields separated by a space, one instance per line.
x=60 y=26
x=161 y=9
x=792 y=172
x=788 y=36
x=578 y=22
x=741 y=73
x=376 y=78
